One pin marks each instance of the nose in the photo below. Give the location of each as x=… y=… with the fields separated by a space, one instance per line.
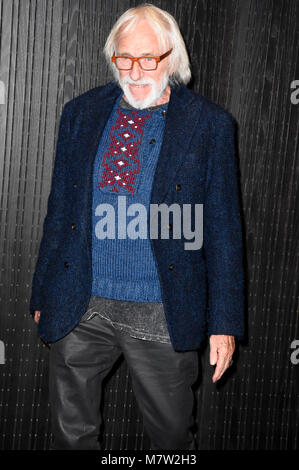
x=136 y=71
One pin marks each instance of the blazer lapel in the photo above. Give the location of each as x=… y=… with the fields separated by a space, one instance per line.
x=87 y=130
x=181 y=121
x=98 y=115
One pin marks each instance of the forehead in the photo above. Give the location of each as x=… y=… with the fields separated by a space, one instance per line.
x=142 y=39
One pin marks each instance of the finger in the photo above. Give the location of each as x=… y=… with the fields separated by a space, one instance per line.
x=36 y=317
x=213 y=355
x=217 y=374
x=220 y=368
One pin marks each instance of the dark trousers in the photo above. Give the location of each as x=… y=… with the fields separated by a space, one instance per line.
x=161 y=381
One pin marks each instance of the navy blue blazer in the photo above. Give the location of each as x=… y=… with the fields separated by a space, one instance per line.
x=202 y=290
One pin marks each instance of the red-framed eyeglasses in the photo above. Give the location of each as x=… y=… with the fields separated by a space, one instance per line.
x=145 y=62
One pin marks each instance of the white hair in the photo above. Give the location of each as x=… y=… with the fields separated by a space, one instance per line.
x=168 y=35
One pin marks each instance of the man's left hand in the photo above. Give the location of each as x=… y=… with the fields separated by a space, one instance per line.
x=221 y=350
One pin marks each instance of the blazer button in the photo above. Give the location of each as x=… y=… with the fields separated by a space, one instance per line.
x=73 y=226
x=75 y=185
x=178 y=187
x=169 y=226
x=152 y=141
x=171 y=266
x=163 y=113
x=66 y=264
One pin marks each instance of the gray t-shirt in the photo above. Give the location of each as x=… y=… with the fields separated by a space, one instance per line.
x=142 y=320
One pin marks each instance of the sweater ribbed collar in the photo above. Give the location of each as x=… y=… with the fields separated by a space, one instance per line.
x=124 y=104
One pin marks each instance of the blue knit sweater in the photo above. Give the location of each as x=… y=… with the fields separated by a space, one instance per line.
x=124 y=166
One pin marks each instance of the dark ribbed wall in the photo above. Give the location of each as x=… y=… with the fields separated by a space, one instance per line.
x=244 y=56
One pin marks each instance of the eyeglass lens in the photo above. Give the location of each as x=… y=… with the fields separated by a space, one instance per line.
x=146 y=63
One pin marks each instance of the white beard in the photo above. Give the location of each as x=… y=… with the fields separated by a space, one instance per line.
x=156 y=90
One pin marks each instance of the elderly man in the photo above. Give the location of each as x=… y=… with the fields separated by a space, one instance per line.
x=140 y=142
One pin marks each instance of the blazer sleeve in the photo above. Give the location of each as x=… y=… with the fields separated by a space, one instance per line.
x=222 y=233
x=53 y=222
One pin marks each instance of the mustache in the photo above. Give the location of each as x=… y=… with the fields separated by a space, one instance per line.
x=128 y=81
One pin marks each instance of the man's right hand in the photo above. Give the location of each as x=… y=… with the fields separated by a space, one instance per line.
x=36 y=316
